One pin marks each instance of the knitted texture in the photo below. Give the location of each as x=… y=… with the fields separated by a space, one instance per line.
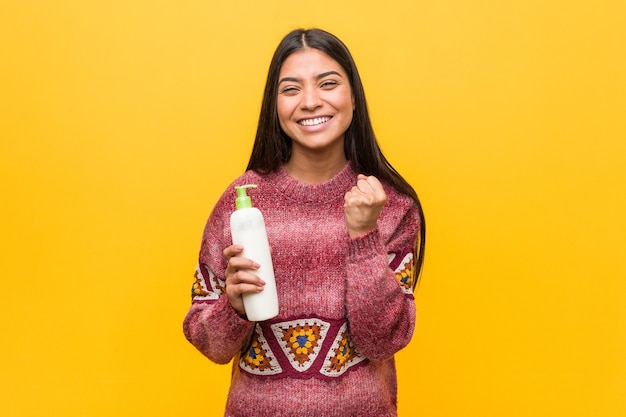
x=345 y=305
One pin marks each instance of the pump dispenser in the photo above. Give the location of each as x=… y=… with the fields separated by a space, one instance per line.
x=248 y=230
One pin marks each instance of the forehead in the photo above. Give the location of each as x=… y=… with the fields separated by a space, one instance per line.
x=309 y=62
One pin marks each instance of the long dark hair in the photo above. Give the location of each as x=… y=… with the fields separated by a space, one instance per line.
x=272 y=147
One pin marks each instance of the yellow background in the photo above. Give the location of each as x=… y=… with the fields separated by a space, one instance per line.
x=121 y=122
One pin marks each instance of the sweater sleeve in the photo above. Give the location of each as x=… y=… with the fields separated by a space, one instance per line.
x=212 y=325
x=379 y=300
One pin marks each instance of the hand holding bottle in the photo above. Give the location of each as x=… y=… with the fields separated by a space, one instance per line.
x=239 y=279
x=363 y=204
x=250 y=266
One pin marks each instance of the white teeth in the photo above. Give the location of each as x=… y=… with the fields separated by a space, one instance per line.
x=315 y=121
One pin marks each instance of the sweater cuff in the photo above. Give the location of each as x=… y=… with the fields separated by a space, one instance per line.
x=233 y=319
x=365 y=246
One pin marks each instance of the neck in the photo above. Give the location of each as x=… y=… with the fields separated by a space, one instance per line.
x=314 y=170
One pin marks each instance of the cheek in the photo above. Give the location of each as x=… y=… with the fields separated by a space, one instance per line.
x=348 y=107
x=348 y=120
x=346 y=103
x=283 y=110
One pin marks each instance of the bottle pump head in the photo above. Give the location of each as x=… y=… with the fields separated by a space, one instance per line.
x=243 y=201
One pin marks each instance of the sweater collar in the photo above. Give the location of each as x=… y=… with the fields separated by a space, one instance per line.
x=309 y=193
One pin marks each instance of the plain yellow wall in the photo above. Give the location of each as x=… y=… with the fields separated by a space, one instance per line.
x=121 y=122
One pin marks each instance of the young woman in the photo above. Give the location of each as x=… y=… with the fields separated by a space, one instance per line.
x=347 y=235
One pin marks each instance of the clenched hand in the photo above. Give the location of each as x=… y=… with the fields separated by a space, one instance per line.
x=363 y=204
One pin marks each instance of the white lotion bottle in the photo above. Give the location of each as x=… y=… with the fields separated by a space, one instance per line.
x=247 y=228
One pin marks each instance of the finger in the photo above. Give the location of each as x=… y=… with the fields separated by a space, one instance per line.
x=362 y=193
x=373 y=182
x=239 y=263
x=353 y=197
x=357 y=199
x=245 y=277
x=244 y=288
x=375 y=188
x=364 y=186
x=232 y=250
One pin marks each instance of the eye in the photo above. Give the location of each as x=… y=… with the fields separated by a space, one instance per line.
x=329 y=84
x=288 y=90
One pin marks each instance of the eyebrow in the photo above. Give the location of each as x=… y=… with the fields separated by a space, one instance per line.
x=317 y=77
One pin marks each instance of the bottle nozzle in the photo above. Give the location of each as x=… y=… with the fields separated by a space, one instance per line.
x=243 y=201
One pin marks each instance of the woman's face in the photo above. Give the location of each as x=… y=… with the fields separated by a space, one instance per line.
x=315 y=102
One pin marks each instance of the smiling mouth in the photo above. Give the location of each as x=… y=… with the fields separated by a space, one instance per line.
x=315 y=121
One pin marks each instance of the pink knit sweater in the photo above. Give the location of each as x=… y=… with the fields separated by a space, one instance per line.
x=346 y=305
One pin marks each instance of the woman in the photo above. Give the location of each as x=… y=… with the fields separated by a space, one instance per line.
x=347 y=235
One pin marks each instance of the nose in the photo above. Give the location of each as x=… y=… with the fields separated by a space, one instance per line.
x=311 y=99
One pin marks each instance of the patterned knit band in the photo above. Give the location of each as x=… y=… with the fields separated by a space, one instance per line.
x=300 y=348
